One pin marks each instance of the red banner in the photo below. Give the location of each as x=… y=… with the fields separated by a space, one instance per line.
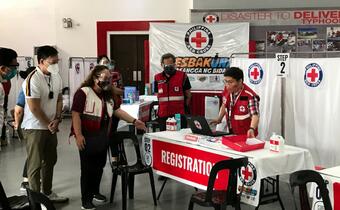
x=336 y=191
x=187 y=163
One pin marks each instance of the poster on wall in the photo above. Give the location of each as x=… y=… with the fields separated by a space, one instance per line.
x=201 y=50
x=89 y=64
x=333 y=38
x=260 y=46
x=319 y=45
x=305 y=39
x=281 y=41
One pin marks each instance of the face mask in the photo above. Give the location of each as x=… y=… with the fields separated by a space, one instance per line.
x=12 y=72
x=169 y=69
x=105 y=85
x=53 y=68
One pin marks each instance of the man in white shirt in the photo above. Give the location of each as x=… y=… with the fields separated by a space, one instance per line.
x=42 y=116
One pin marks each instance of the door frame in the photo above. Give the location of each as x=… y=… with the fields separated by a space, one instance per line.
x=105 y=27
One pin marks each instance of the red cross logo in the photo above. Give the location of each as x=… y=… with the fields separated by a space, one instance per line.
x=312 y=75
x=247 y=173
x=255 y=73
x=210 y=19
x=198 y=39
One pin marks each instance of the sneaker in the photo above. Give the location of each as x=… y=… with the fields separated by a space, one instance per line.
x=88 y=206
x=23 y=186
x=99 y=198
x=56 y=198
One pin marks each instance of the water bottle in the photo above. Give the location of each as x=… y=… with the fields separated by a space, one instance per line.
x=146 y=90
x=178 y=121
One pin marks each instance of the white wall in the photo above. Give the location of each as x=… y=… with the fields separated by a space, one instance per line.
x=24 y=24
x=259 y=4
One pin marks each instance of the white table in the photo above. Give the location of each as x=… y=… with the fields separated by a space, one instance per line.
x=162 y=150
x=332 y=179
x=139 y=110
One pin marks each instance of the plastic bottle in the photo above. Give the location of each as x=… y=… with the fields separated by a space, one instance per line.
x=146 y=90
x=178 y=121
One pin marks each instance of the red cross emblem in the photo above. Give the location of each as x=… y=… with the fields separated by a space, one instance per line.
x=247 y=173
x=312 y=75
x=210 y=19
x=198 y=39
x=255 y=73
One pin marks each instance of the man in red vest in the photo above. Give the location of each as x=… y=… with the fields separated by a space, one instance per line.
x=240 y=105
x=173 y=91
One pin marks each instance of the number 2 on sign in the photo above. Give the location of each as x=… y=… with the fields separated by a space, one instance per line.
x=283 y=64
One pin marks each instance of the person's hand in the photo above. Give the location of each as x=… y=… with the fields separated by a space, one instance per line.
x=215 y=121
x=53 y=126
x=80 y=140
x=251 y=133
x=140 y=125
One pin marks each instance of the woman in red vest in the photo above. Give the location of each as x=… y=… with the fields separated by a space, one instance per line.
x=92 y=111
x=240 y=105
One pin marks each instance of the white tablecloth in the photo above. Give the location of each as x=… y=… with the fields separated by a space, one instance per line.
x=263 y=162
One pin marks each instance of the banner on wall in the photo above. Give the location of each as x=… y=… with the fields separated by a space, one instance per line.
x=202 y=51
x=89 y=64
x=76 y=75
x=270 y=17
x=261 y=75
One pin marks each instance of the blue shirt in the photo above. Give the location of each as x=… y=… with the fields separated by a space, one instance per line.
x=21 y=99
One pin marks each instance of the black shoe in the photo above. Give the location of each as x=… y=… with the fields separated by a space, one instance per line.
x=161 y=178
x=99 y=198
x=88 y=206
x=23 y=186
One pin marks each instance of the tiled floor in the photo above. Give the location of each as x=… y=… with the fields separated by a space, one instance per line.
x=67 y=173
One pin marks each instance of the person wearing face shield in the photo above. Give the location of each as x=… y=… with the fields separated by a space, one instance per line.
x=240 y=105
x=173 y=91
x=8 y=69
x=42 y=115
x=92 y=111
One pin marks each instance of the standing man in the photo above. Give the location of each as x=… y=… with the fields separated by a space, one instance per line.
x=173 y=91
x=42 y=116
x=8 y=69
x=240 y=105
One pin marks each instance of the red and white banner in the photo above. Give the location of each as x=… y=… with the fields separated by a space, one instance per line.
x=201 y=50
x=273 y=17
x=187 y=163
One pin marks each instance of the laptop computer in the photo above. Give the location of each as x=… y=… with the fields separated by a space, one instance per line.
x=199 y=125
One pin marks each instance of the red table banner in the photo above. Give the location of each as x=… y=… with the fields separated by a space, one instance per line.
x=187 y=163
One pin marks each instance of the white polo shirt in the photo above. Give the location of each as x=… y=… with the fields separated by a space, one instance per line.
x=39 y=85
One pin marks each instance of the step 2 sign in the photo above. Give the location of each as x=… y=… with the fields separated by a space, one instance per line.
x=282 y=67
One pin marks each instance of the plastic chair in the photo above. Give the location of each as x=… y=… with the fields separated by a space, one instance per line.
x=128 y=172
x=300 y=179
x=219 y=199
x=13 y=202
x=36 y=199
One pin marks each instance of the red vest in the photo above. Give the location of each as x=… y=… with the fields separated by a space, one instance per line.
x=239 y=114
x=170 y=94
x=93 y=111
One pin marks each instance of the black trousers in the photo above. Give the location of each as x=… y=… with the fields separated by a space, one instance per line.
x=3 y=131
x=92 y=162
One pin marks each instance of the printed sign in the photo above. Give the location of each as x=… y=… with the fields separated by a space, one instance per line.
x=201 y=50
x=282 y=60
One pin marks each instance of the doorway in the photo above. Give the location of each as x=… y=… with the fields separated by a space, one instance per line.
x=129 y=53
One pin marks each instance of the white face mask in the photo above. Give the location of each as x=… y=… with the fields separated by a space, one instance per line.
x=53 y=68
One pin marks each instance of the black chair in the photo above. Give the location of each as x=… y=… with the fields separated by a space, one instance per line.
x=300 y=179
x=37 y=198
x=152 y=124
x=219 y=199
x=13 y=202
x=128 y=172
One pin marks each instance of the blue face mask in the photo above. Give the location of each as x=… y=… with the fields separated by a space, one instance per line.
x=10 y=74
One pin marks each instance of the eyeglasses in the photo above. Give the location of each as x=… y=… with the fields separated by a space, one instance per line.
x=228 y=82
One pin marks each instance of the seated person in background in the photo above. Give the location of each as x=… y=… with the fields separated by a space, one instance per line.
x=240 y=105
x=173 y=91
